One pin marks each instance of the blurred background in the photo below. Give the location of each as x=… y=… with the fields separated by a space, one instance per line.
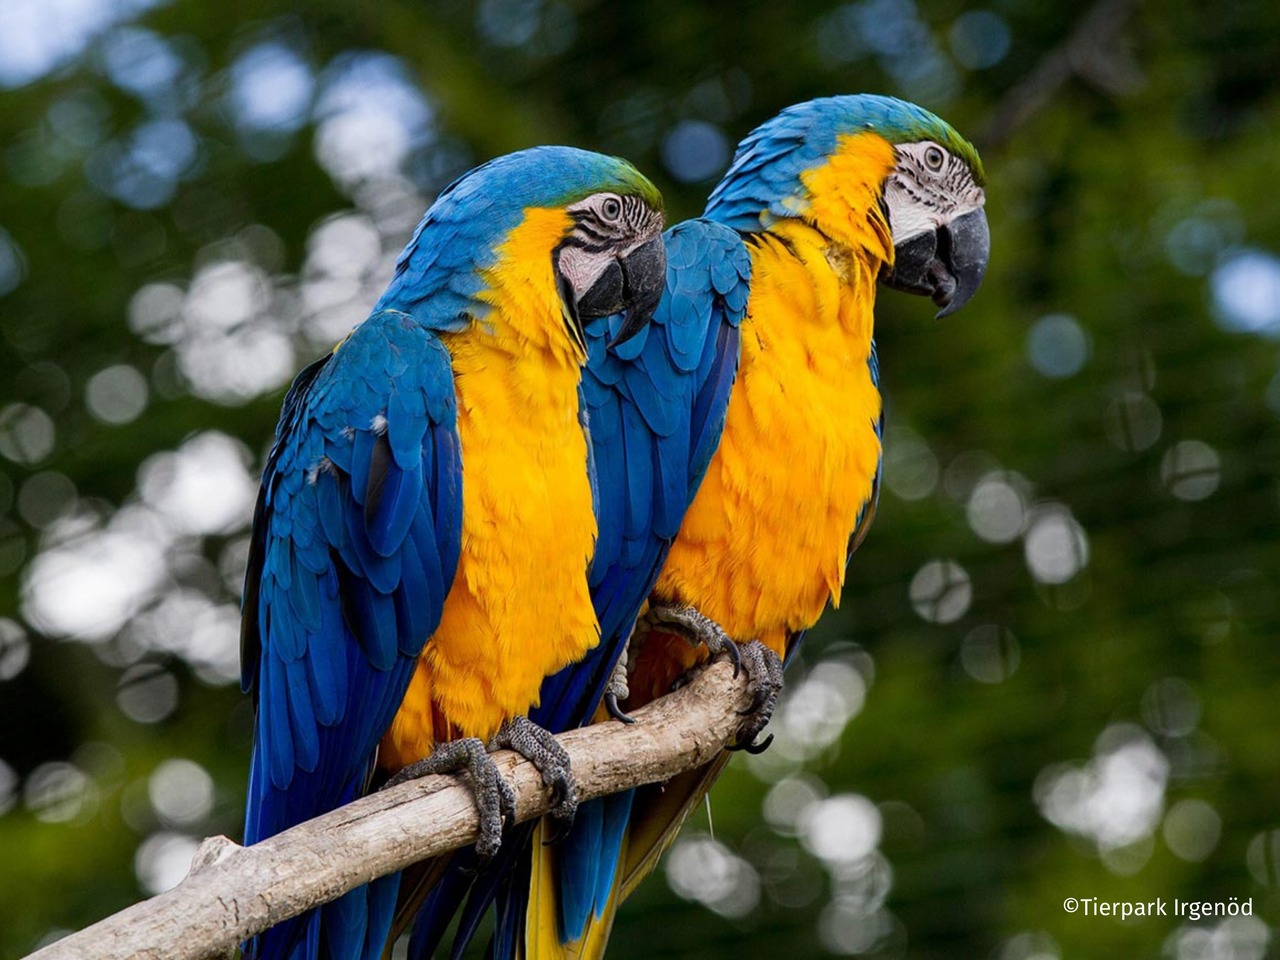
x=1055 y=670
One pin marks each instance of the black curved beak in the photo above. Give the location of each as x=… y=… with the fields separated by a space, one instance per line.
x=633 y=283
x=947 y=265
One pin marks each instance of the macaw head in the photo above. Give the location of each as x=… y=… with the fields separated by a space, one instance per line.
x=835 y=161
x=593 y=220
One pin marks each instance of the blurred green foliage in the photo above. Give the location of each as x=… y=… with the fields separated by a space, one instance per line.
x=1054 y=670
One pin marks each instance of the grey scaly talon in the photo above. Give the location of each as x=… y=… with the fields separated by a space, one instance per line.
x=698 y=629
x=763 y=666
x=551 y=760
x=494 y=796
x=764 y=672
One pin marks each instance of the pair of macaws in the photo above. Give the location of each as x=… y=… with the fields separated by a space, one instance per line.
x=556 y=420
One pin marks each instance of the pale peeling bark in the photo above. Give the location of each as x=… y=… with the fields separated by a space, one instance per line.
x=234 y=892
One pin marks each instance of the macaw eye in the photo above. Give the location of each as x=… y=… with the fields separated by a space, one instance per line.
x=611 y=209
x=933 y=158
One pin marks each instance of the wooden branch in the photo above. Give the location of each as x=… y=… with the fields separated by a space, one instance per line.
x=234 y=892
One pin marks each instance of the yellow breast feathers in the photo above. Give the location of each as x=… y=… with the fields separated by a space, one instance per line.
x=519 y=609
x=764 y=544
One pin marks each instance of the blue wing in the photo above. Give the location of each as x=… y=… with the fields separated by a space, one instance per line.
x=655 y=410
x=355 y=543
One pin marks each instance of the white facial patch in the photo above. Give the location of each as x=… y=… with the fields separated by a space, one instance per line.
x=609 y=228
x=582 y=268
x=921 y=199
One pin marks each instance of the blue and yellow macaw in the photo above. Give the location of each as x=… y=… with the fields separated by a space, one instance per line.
x=426 y=518
x=656 y=406
x=826 y=199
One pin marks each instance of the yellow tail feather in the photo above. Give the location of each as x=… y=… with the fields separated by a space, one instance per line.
x=542 y=913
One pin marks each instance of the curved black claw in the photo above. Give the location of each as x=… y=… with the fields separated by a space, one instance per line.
x=617 y=688
x=614 y=710
x=494 y=796
x=764 y=671
x=541 y=748
x=752 y=748
x=698 y=629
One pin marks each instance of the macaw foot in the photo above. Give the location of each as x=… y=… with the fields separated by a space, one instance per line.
x=763 y=666
x=539 y=746
x=764 y=671
x=494 y=796
x=618 y=690
x=698 y=629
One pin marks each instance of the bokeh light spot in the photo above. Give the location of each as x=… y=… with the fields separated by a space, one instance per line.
x=1263 y=858
x=26 y=433
x=59 y=793
x=162 y=861
x=997 y=509
x=15 y=649
x=702 y=869
x=271 y=89
x=979 y=39
x=147 y=693
x=370 y=117
x=509 y=23
x=13 y=263
x=36 y=36
x=1116 y=798
x=941 y=591
x=1030 y=945
x=695 y=151
x=181 y=791
x=990 y=653
x=140 y=61
x=1170 y=707
x=847 y=930
x=8 y=788
x=204 y=633
x=202 y=487
x=1057 y=345
x=116 y=395
x=93 y=581
x=1246 y=292
x=842 y=829
x=45 y=498
x=1192 y=829
x=788 y=799
x=1235 y=938
x=1055 y=546
x=1133 y=421
x=910 y=468
x=1191 y=470
x=155 y=312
